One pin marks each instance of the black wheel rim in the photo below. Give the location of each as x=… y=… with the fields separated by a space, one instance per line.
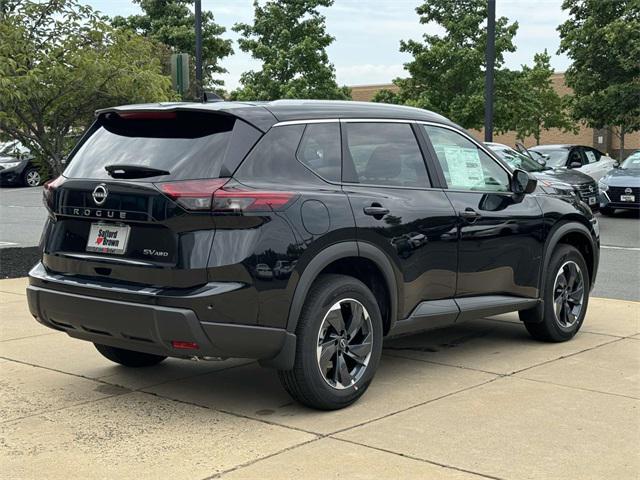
x=568 y=294
x=345 y=343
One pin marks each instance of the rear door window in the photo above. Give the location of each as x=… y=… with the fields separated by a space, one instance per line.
x=320 y=150
x=189 y=145
x=386 y=154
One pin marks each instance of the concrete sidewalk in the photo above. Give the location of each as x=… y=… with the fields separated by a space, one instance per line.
x=478 y=400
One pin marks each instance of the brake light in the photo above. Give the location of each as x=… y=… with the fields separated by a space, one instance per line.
x=147 y=115
x=49 y=189
x=238 y=201
x=212 y=194
x=193 y=194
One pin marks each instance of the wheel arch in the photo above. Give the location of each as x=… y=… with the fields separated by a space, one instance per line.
x=335 y=259
x=575 y=233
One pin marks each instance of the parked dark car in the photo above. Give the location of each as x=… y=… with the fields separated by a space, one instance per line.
x=581 y=158
x=560 y=179
x=620 y=188
x=17 y=167
x=299 y=233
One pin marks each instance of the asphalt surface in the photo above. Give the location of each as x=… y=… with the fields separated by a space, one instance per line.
x=22 y=216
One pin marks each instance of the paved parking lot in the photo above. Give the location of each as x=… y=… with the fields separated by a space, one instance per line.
x=479 y=400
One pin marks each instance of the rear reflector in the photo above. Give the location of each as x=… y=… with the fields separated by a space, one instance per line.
x=184 y=345
x=211 y=194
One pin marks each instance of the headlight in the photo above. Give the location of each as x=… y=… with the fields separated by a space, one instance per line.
x=602 y=186
x=10 y=164
x=559 y=187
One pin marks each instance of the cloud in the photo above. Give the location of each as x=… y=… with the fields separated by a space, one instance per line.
x=363 y=74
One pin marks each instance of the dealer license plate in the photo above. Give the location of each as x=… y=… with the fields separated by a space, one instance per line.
x=108 y=238
x=627 y=198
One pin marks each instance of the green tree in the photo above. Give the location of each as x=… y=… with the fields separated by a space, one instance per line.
x=289 y=38
x=59 y=61
x=533 y=105
x=602 y=37
x=447 y=71
x=171 y=22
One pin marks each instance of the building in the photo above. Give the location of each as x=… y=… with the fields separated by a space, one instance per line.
x=604 y=140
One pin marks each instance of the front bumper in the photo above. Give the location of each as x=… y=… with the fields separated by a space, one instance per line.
x=149 y=328
x=605 y=202
x=11 y=176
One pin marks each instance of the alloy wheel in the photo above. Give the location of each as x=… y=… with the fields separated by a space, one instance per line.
x=568 y=294
x=33 y=178
x=345 y=343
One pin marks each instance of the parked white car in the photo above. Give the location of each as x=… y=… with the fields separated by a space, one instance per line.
x=577 y=157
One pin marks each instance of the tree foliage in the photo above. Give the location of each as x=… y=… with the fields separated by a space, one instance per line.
x=447 y=71
x=59 y=61
x=602 y=38
x=289 y=38
x=534 y=105
x=171 y=22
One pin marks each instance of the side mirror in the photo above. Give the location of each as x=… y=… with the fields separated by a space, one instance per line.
x=575 y=165
x=522 y=182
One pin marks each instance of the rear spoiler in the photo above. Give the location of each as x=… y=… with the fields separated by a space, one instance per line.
x=255 y=115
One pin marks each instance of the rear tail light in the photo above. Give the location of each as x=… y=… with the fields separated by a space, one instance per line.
x=214 y=195
x=49 y=189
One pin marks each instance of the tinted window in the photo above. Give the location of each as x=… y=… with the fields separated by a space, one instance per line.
x=189 y=145
x=465 y=166
x=320 y=150
x=273 y=160
x=386 y=154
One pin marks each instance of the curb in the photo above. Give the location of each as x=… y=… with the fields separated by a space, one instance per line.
x=17 y=261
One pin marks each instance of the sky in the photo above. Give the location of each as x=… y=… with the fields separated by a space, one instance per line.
x=368 y=33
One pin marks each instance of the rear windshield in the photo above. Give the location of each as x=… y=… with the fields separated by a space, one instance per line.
x=189 y=145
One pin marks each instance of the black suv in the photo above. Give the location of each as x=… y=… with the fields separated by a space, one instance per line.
x=299 y=233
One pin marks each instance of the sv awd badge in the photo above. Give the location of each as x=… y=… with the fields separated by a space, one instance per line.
x=154 y=253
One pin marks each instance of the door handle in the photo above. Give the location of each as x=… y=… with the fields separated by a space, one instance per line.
x=376 y=210
x=469 y=214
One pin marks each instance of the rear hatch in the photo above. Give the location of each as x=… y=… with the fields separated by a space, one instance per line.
x=123 y=211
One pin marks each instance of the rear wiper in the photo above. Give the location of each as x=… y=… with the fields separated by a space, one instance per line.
x=134 y=171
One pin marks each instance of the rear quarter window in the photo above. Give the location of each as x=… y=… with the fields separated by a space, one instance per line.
x=189 y=145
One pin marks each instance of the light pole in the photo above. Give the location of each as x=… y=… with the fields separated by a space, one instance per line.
x=490 y=56
x=199 y=50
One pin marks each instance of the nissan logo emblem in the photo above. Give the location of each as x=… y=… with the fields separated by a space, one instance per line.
x=100 y=194
x=627 y=191
x=591 y=189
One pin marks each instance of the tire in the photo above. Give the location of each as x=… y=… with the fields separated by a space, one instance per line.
x=323 y=388
x=542 y=322
x=31 y=177
x=607 y=211
x=129 y=358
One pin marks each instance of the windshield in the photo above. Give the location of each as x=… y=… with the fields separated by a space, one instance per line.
x=188 y=145
x=12 y=148
x=516 y=159
x=555 y=158
x=631 y=163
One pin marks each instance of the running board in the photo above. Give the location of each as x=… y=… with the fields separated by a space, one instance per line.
x=441 y=313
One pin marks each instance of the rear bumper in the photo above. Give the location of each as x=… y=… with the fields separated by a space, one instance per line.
x=151 y=328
